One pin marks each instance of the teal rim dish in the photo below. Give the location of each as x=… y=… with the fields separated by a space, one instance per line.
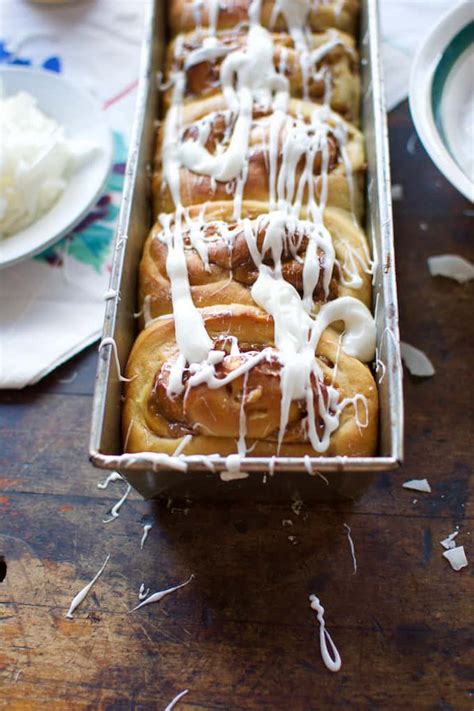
x=442 y=96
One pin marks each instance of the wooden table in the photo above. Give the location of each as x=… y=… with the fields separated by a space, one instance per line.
x=241 y=635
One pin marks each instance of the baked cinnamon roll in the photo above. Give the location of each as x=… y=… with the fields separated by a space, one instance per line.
x=307 y=158
x=255 y=280
x=322 y=262
x=237 y=393
x=279 y=15
x=328 y=71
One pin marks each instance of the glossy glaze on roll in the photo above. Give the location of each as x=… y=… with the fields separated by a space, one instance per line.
x=255 y=281
x=331 y=71
x=221 y=269
x=315 y=15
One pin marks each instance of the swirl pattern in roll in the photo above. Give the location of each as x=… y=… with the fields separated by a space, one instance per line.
x=255 y=280
x=220 y=257
x=290 y=158
x=156 y=421
x=329 y=70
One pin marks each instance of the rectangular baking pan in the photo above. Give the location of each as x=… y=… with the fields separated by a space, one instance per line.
x=155 y=475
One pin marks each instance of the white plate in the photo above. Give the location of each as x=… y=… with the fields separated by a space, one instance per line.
x=442 y=96
x=83 y=119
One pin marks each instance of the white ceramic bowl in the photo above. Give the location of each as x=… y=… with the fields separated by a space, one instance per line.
x=83 y=119
x=442 y=96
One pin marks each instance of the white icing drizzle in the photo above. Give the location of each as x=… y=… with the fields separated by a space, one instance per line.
x=142 y=593
x=115 y=476
x=352 y=547
x=153 y=459
x=173 y=703
x=296 y=338
x=271 y=465
x=156 y=597
x=115 y=510
x=184 y=442
x=233 y=471
x=249 y=79
x=109 y=341
x=313 y=472
x=146 y=529
x=77 y=599
x=210 y=50
x=191 y=336
x=331 y=660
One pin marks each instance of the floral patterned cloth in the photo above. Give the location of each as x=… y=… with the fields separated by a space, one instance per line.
x=52 y=306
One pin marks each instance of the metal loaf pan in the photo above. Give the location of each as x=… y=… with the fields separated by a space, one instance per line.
x=151 y=474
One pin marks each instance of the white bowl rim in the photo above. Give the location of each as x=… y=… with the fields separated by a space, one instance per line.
x=108 y=151
x=421 y=78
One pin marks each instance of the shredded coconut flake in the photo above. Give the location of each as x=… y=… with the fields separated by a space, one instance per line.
x=457 y=557
x=448 y=542
x=397 y=192
x=451 y=266
x=37 y=162
x=416 y=361
x=418 y=485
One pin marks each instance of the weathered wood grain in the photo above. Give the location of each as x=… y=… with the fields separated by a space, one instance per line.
x=241 y=635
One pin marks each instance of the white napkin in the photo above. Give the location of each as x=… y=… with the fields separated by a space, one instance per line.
x=404 y=24
x=51 y=307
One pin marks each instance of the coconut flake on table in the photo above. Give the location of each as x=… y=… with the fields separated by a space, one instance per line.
x=37 y=160
x=397 y=192
x=456 y=557
x=451 y=266
x=416 y=361
x=418 y=485
x=448 y=542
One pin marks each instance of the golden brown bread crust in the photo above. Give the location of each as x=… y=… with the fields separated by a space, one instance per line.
x=344 y=193
x=323 y=14
x=291 y=156
x=202 y=79
x=155 y=422
x=231 y=272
